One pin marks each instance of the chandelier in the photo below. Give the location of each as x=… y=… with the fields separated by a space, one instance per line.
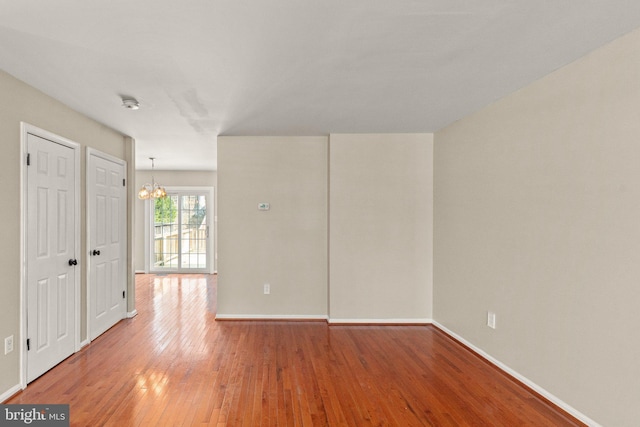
x=153 y=190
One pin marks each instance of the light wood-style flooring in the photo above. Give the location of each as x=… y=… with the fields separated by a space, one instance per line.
x=174 y=365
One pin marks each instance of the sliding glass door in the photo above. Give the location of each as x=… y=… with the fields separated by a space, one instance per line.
x=181 y=231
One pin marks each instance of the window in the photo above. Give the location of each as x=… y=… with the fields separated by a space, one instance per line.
x=180 y=232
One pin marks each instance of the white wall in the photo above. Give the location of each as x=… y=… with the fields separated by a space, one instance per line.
x=380 y=222
x=167 y=179
x=285 y=246
x=24 y=103
x=537 y=217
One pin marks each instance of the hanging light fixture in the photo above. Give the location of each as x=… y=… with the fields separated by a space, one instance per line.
x=153 y=190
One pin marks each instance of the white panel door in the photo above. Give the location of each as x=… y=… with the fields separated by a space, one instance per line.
x=107 y=225
x=51 y=260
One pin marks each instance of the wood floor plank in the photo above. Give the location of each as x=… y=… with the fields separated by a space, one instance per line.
x=174 y=365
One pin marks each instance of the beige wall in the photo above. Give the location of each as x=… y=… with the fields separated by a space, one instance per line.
x=167 y=179
x=380 y=218
x=368 y=204
x=537 y=217
x=285 y=246
x=23 y=103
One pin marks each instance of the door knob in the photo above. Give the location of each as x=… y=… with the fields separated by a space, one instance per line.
x=96 y=252
x=73 y=262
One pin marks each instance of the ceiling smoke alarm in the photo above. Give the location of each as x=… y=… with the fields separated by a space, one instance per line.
x=130 y=103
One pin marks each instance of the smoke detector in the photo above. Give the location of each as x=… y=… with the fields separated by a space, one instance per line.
x=130 y=103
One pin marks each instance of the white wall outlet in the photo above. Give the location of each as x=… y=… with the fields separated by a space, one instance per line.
x=267 y=289
x=491 y=319
x=8 y=344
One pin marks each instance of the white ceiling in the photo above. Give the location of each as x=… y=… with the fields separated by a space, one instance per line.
x=202 y=68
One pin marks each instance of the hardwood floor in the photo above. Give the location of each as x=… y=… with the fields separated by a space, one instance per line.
x=174 y=365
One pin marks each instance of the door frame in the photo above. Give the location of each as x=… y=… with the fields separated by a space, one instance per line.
x=148 y=215
x=124 y=249
x=25 y=130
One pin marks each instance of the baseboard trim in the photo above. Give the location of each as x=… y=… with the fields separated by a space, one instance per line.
x=380 y=322
x=293 y=317
x=527 y=382
x=334 y=322
x=131 y=314
x=85 y=343
x=10 y=393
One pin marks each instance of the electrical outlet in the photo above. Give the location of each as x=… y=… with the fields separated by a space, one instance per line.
x=491 y=319
x=8 y=344
x=267 y=289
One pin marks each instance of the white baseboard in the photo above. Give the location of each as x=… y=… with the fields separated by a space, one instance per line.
x=85 y=343
x=323 y=317
x=7 y=394
x=269 y=317
x=381 y=321
x=547 y=395
x=131 y=314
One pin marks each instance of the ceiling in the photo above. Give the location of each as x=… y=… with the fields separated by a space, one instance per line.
x=203 y=68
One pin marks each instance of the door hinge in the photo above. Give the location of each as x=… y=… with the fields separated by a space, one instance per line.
x=123 y=294
x=123 y=182
x=28 y=344
x=28 y=159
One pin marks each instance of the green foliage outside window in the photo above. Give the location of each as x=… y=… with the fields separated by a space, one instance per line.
x=166 y=211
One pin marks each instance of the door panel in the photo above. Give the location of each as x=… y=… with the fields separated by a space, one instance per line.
x=107 y=243
x=193 y=214
x=115 y=297
x=50 y=245
x=101 y=284
x=64 y=306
